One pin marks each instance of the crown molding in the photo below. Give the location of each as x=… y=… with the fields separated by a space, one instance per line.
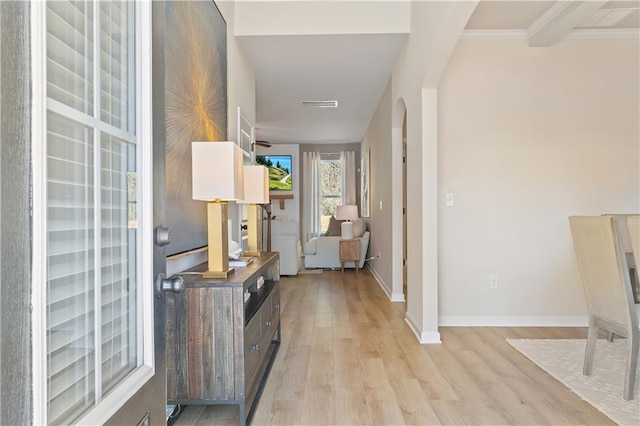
x=603 y=33
x=579 y=34
x=494 y=35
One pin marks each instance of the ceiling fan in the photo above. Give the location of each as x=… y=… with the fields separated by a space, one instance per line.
x=265 y=144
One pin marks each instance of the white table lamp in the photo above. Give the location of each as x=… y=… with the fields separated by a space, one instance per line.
x=256 y=191
x=347 y=213
x=217 y=172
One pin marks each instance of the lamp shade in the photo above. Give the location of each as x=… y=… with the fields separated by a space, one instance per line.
x=217 y=171
x=347 y=212
x=256 y=185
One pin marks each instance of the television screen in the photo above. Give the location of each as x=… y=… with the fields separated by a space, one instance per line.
x=279 y=171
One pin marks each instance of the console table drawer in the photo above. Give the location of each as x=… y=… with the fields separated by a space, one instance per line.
x=252 y=349
x=275 y=302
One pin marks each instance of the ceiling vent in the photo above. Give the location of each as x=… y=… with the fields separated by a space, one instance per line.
x=320 y=104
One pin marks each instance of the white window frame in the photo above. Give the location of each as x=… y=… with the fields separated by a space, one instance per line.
x=110 y=404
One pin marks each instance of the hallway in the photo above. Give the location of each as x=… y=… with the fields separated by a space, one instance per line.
x=348 y=358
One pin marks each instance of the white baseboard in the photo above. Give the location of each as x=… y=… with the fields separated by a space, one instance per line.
x=380 y=281
x=397 y=297
x=467 y=321
x=424 y=337
x=393 y=297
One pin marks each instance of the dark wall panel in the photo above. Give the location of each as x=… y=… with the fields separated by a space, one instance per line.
x=195 y=60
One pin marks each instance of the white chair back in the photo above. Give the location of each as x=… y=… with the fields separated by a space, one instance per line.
x=607 y=287
x=605 y=281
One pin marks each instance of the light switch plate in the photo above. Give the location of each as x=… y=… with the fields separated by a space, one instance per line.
x=450 y=200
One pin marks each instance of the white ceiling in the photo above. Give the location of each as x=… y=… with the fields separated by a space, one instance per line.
x=354 y=69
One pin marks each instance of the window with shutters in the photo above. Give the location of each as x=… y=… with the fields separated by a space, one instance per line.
x=93 y=205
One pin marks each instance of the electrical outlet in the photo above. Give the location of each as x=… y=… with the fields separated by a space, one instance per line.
x=493 y=281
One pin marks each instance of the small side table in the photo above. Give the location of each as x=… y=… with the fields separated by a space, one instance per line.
x=349 y=250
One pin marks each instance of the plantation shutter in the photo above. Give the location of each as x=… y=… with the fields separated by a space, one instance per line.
x=91 y=203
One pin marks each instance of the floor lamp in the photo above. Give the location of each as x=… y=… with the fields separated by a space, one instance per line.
x=217 y=178
x=256 y=192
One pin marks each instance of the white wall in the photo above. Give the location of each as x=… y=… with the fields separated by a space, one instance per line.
x=291 y=209
x=321 y=17
x=377 y=140
x=527 y=137
x=240 y=73
x=241 y=92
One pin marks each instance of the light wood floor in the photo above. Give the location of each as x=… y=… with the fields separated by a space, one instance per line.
x=348 y=358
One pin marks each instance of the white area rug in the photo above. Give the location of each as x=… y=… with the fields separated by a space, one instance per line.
x=603 y=389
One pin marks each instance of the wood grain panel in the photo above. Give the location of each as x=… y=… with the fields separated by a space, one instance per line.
x=208 y=342
x=194 y=341
x=223 y=355
x=178 y=349
x=238 y=340
x=170 y=330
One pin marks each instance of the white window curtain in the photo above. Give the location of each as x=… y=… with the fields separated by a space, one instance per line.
x=348 y=163
x=311 y=223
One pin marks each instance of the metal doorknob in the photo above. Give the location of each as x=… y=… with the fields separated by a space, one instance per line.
x=174 y=284
x=163 y=236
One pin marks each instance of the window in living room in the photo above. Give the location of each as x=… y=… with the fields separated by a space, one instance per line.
x=330 y=186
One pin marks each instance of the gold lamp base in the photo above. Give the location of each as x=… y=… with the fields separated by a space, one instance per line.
x=253 y=240
x=217 y=274
x=218 y=237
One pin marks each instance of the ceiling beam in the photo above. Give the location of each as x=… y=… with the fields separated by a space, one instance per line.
x=559 y=20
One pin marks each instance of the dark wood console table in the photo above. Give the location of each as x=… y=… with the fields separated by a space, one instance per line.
x=220 y=348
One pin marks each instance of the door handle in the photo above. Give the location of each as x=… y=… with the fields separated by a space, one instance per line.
x=174 y=284
x=163 y=236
